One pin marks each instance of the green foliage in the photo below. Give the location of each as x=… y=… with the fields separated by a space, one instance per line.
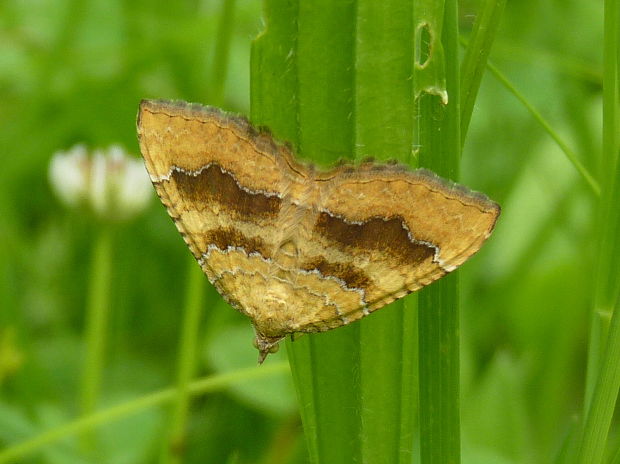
x=341 y=82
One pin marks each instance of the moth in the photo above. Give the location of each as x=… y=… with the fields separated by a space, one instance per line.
x=293 y=247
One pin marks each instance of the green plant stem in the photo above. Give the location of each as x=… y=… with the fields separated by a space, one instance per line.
x=19 y=452
x=383 y=111
x=222 y=53
x=571 y=67
x=475 y=59
x=302 y=79
x=601 y=309
x=186 y=365
x=604 y=398
x=600 y=321
x=603 y=379
x=97 y=314
x=334 y=79
x=440 y=143
x=570 y=154
x=616 y=458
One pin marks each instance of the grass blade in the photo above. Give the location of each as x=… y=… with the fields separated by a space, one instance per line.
x=18 y=452
x=97 y=317
x=570 y=154
x=604 y=375
x=384 y=130
x=222 y=53
x=186 y=364
x=475 y=59
x=440 y=143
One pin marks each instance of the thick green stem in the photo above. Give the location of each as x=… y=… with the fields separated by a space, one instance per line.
x=440 y=146
x=335 y=79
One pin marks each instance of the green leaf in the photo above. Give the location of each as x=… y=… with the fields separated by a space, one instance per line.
x=430 y=73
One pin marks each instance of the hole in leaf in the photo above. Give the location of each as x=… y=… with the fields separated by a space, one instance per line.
x=423 y=44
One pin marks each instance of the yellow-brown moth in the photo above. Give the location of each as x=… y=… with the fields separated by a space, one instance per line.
x=295 y=248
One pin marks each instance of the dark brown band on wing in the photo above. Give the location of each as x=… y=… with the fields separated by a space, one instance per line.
x=376 y=234
x=230 y=237
x=352 y=276
x=214 y=185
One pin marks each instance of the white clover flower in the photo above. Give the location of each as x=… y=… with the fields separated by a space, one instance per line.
x=114 y=185
x=68 y=175
x=100 y=183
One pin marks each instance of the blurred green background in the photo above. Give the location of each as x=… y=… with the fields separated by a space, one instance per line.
x=74 y=71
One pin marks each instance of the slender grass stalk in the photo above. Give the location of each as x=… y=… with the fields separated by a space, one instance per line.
x=222 y=53
x=600 y=321
x=571 y=66
x=19 y=452
x=604 y=397
x=188 y=350
x=440 y=146
x=566 y=453
x=475 y=59
x=604 y=371
x=97 y=314
x=195 y=290
x=570 y=154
